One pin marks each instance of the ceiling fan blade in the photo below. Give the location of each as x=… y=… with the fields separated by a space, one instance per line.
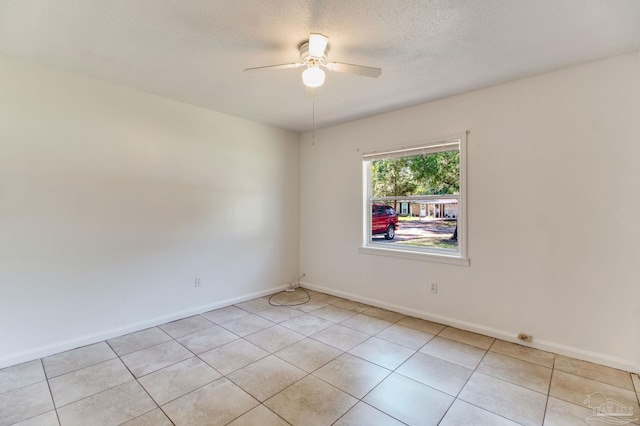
x=275 y=67
x=354 y=69
x=317 y=44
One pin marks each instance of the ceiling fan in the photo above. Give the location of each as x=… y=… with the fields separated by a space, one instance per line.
x=313 y=54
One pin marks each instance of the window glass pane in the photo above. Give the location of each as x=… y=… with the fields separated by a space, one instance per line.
x=417 y=198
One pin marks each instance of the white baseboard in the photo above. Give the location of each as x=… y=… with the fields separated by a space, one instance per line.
x=89 y=339
x=544 y=345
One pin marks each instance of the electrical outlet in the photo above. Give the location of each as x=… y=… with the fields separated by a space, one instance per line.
x=524 y=337
x=197 y=282
x=434 y=287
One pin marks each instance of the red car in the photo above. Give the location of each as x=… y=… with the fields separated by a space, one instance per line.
x=384 y=220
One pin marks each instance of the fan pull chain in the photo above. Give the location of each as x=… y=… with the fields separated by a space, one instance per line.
x=313 y=117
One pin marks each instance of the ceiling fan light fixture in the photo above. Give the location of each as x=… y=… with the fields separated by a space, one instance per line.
x=313 y=55
x=317 y=45
x=313 y=77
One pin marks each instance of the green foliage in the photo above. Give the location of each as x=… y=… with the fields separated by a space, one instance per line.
x=428 y=174
x=439 y=172
x=392 y=178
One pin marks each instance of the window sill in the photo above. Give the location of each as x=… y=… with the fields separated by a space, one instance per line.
x=413 y=255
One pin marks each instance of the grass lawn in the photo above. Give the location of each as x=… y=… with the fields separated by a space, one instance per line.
x=436 y=232
x=436 y=242
x=450 y=223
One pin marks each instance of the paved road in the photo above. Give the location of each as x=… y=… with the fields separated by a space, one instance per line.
x=419 y=229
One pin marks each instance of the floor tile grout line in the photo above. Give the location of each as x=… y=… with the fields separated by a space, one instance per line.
x=187 y=393
x=253 y=332
x=327 y=383
x=457 y=397
x=133 y=377
x=270 y=410
x=511 y=383
x=548 y=394
x=520 y=360
x=375 y=408
x=546 y=405
x=560 y=356
x=89 y=366
x=571 y=402
x=486 y=352
x=55 y=409
x=248 y=411
x=307 y=373
x=240 y=368
x=329 y=344
x=24 y=386
x=544 y=413
x=137 y=379
x=141 y=349
x=158 y=406
x=395 y=371
x=82 y=368
x=374 y=336
x=400 y=344
x=391 y=371
x=145 y=413
x=359 y=399
x=408 y=378
x=163 y=367
x=593 y=380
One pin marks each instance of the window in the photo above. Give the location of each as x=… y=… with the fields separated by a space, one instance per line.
x=415 y=201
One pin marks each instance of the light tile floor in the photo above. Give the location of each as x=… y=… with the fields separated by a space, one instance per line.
x=328 y=362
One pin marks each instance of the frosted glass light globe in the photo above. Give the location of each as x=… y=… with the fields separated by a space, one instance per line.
x=313 y=77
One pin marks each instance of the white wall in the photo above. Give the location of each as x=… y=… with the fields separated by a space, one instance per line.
x=550 y=160
x=112 y=201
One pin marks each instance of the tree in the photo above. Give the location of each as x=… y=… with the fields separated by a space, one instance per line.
x=426 y=174
x=440 y=174
x=392 y=178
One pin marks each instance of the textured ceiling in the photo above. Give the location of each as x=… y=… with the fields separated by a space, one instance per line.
x=195 y=50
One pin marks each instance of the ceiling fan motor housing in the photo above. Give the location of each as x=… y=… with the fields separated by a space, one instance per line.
x=307 y=58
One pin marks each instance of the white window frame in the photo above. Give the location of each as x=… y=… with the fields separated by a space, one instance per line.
x=406 y=251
